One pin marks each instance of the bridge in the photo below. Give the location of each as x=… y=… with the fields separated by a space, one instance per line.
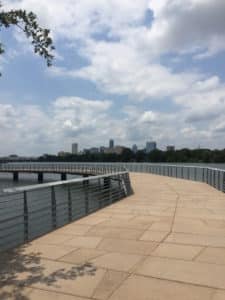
x=81 y=169
x=166 y=241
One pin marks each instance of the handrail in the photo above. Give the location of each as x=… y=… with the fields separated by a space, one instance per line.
x=39 y=209
x=57 y=183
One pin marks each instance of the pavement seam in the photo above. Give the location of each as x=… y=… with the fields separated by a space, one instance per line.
x=180 y=282
x=57 y=292
x=198 y=254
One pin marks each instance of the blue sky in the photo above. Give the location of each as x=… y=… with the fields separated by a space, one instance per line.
x=128 y=70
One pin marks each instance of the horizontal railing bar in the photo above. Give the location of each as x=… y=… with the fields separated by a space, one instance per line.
x=59 y=183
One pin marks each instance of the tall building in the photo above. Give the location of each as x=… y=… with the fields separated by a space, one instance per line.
x=74 y=148
x=150 y=146
x=170 y=148
x=135 y=148
x=102 y=149
x=111 y=144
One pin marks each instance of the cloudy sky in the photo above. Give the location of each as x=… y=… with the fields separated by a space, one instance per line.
x=129 y=70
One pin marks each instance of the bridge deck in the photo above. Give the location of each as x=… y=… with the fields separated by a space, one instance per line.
x=165 y=242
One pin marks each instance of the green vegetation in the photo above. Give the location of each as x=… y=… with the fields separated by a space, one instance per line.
x=27 y=23
x=183 y=155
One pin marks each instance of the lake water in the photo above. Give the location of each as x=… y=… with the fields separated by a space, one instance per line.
x=70 y=204
x=6 y=179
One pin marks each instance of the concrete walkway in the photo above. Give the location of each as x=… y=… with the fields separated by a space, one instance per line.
x=167 y=241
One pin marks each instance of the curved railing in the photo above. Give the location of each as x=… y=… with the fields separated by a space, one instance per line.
x=70 y=168
x=29 y=212
x=212 y=176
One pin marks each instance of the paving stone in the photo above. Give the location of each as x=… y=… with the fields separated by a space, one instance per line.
x=84 y=241
x=82 y=255
x=197 y=239
x=142 y=288
x=79 y=280
x=34 y=294
x=127 y=246
x=74 y=229
x=212 y=255
x=53 y=239
x=111 y=280
x=199 y=226
x=46 y=251
x=115 y=232
x=154 y=236
x=219 y=295
x=204 y=274
x=117 y=261
x=185 y=252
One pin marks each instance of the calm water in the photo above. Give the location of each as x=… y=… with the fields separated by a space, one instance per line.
x=40 y=209
x=6 y=179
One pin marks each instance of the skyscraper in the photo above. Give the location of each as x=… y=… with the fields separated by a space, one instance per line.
x=111 y=144
x=150 y=146
x=74 y=148
x=135 y=148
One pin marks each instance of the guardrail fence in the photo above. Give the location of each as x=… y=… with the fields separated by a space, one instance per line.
x=212 y=176
x=29 y=212
x=69 y=168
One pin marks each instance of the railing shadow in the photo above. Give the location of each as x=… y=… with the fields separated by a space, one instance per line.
x=19 y=271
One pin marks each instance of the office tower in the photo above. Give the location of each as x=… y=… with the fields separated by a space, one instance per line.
x=150 y=146
x=111 y=144
x=74 y=148
x=135 y=148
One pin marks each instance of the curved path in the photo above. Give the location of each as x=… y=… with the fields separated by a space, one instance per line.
x=167 y=241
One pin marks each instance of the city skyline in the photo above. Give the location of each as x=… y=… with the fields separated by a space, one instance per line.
x=155 y=69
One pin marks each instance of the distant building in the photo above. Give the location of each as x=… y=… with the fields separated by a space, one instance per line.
x=74 y=148
x=111 y=144
x=63 y=153
x=170 y=148
x=115 y=150
x=94 y=150
x=135 y=148
x=13 y=156
x=150 y=146
x=102 y=149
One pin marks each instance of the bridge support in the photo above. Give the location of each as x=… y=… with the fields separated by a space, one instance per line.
x=40 y=177
x=15 y=176
x=63 y=176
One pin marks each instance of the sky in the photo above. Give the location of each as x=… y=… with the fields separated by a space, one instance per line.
x=134 y=71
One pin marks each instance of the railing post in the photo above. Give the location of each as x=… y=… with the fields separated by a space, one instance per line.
x=86 y=196
x=54 y=221
x=223 y=182
x=188 y=173
x=25 y=217
x=69 y=204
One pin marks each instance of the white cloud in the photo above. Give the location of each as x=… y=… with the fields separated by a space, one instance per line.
x=125 y=57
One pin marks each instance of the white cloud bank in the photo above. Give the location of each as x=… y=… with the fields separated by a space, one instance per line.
x=124 y=43
x=30 y=129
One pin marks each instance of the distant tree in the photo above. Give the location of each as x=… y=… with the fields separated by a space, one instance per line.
x=27 y=22
x=127 y=155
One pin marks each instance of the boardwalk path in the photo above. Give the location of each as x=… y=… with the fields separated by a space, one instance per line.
x=167 y=241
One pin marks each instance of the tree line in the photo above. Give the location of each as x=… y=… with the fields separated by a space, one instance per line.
x=178 y=156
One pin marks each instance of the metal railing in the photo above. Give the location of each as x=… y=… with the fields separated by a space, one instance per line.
x=29 y=212
x=69 y=168
x=212 y=176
